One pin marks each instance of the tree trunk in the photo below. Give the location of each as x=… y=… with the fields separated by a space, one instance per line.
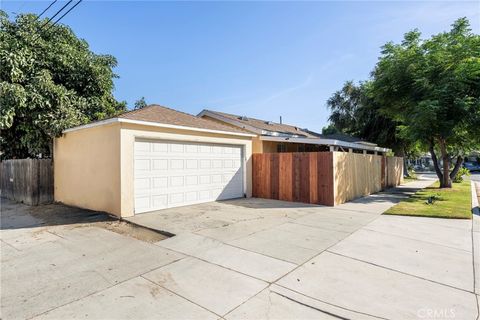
x=435 y=161
x=446 y=182
x=406 y=174
x=457 y=167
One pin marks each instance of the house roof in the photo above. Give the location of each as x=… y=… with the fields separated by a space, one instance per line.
x=160 y=116
x=342 y=137
x=250 y=124
x=272 y=131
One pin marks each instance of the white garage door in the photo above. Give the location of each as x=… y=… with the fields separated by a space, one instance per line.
x=171 y=174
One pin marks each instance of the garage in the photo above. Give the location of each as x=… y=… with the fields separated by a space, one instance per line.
x=176 y=173
x=151 y=159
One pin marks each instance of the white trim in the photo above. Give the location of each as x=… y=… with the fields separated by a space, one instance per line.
x=328 y=142
x=155 y=124
x=173 y=126
x=92 y=125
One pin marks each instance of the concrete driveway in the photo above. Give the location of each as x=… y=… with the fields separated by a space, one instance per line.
x=247 y=259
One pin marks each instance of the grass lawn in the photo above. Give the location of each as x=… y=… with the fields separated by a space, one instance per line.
x=450 y=203
x=409 y=179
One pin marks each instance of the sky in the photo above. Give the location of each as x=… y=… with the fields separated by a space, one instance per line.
x=260 y=59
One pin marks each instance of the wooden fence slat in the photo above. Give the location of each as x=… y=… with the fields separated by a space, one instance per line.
x=27 y=180
x=304 y=171
x=267 y=181
x=325 y=178
x=383 y=172
x=274 y=176
x=313 y=177
x=285 y=181
x=296 y=176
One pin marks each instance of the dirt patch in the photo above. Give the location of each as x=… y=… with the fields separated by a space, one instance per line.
x=131 y=230
x=52 y=216
x=124 y=228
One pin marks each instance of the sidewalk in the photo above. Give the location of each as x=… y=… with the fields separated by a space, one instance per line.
x=476 y=234
x=256 y=259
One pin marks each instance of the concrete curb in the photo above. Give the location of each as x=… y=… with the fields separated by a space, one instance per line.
x=475 y=208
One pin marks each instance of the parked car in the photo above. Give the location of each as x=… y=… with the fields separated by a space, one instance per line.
x=471 y=166
x=419 y=167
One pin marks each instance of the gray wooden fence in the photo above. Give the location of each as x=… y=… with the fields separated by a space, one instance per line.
x=27 y=180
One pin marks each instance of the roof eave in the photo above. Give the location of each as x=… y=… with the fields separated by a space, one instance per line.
x=329 y=142
x=155 y=124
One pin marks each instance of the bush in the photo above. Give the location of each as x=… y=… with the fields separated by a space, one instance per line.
x=459 y=176
x=411 y=173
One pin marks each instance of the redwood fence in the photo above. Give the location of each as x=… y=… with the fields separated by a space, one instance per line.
x=27 y=180
x=327 y=178
x=298 y=177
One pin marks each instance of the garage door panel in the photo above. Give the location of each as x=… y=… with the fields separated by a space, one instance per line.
x=191 y=196
x=142 y=165
x=177 y=147
x=191 y=181
x=176 y=164
x=142 y=202
x=169 y=174
x=205 y=149
x=191 y=148
x=159 y=164
x=191 y=164
x=158 y=147
x=160 y=201
x=204 y=195
x=142 y=146
x=159 y=182
x=176 y=198
x=177 y=181
x=142 y=183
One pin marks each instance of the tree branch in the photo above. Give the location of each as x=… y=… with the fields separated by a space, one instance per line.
x=457 y=167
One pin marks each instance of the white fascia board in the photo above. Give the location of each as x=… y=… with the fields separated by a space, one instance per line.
x=92 y=125
x=329 y=142
x=238 y=124
x=156 y=124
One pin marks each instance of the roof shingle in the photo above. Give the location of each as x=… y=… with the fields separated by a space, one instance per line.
x=160 y=114
x=266 y=125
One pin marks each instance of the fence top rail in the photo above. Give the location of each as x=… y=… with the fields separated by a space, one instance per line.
x=325 y=152
x=299 y=152
x=26 y=160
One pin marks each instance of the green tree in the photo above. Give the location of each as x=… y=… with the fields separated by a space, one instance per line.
x=49 y=81
x=355 y=112
x=140 y=103
x=330 y=129
x=432 y=88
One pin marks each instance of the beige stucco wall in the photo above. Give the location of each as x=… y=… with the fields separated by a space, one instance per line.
x=130 y=132
x=257 y=145
x=262 y=146
x=87 y=168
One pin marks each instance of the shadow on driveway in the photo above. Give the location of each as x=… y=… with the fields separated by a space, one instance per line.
x=17 y=216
